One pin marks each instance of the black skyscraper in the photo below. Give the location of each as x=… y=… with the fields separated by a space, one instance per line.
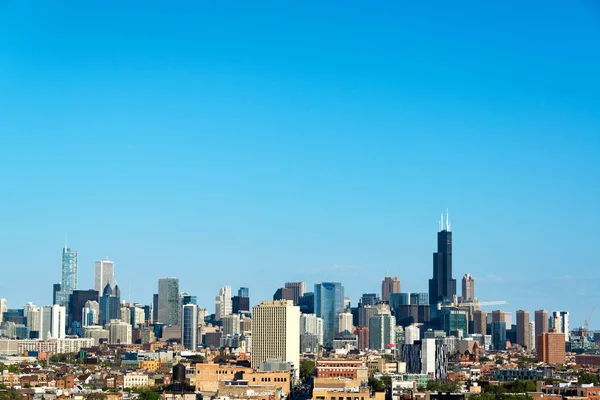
x=442 y=287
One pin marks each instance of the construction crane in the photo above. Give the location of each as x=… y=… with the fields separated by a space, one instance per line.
x=586 y=332
x=492 y=303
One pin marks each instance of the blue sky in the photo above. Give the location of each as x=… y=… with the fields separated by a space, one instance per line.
x=253 y=143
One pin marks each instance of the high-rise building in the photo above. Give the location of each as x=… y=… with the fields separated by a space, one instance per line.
x=155 y=307
x=33 y=315
x=56 y=293
x=388 y=286
x=231 y=324
x=104 y=272
x=69 y=270
x=90 y=314
x=77 y=301
x=311 y=333
x=168 y=301
x=499 y=335
x=369 y=299
x=244 y=292
x=284 y=294
x=329 y=301
x=3 y=309
x=442 y=287
x=523 y=332
x=382 y=331
x=223 y=305
x=499 y=316
x=240 y=304
x=189 y=326
x=559 y=321
x=119 y=332
x=53 y=322
x=541 y=322
x=110 y=303
x=276 y=332
x=551 y=348
x=468 y=288
x=298 y=288
x=411 y=334
x=532 y=339
x=345 y=322
x=307 y=303
x=480 y=322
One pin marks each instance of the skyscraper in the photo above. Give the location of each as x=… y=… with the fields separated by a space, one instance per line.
x=480 y=322
x=110 y=302
x=523 y=329
x=442 y=287
x=244 y=292
x=329 y=301
x=3 y=308
x=276 y=332
x=168 y=301
x=69 y=270
x=223 y=303
x=388 y=286
x=345 y=322
x=541 y=322
x=468 y=288
x=104 y=272
x=298 y=288
x=189 y=326
x=53 y=322
x=499 y=335
x=77 y=301
x=381 y=331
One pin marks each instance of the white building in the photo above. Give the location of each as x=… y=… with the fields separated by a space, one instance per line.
x=3 y=308
x=104 y=272
x=310 y=323
x=231 y=324
x=276 y=332
x=411 y=334
x=119 y=332
x=90 y=313
x=223 y=303
x=345 y=322
x=135 y=380
x=53 y=321
x=428 y=356
x=96 y=333
x=33 y=314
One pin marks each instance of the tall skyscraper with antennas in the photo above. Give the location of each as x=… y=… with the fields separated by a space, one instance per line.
x=442 y=287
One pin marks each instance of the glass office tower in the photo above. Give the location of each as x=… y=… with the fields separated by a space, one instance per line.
x=69 y=270
x=329 y=301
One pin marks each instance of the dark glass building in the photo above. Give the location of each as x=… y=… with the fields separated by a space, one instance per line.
x=240 y=304
x=77 y=301
x=307 y=303
x=442 y=287
x=284 y=294
x=110 y=303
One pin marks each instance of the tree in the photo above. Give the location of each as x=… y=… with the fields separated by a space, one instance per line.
x=376 y=385
x=443 y=386
x=149 y=395
x=307 y=369
x=587 y=378
x=96 y=396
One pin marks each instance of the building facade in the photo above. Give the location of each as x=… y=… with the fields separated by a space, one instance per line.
x=523 y=329
x=328 y=302
x=276 y=332
x=168 y=301
x=468 y=288
x=298 y=289
x=389 y=285
x=189 y=327
x=104 y=272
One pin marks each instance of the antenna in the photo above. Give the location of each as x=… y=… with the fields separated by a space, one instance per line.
x=65 y=240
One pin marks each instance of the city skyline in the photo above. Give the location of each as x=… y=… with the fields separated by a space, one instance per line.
x=443 y=236
x=251 y=145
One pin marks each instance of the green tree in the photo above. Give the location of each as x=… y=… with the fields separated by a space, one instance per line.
x=587 y=378
x=376 y=385
x=307 y=369
x=96 y=396
x=149 y=395
x=443 y=386
x=11 y=395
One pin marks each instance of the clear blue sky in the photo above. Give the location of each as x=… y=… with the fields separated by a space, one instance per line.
x=252 y=143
